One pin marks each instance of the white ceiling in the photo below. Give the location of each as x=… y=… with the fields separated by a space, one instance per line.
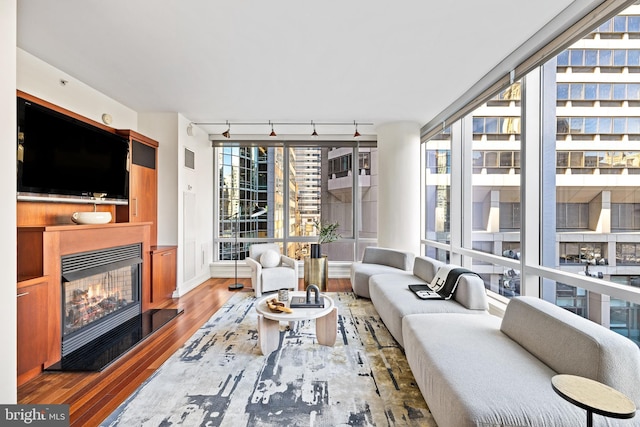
x=286 y=60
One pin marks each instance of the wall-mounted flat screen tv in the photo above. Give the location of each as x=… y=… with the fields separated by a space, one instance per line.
x=58 y=155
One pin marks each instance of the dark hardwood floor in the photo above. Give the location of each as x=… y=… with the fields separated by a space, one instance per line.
x=93 y=396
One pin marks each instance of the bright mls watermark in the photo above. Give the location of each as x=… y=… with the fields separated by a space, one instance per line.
x=34 y=415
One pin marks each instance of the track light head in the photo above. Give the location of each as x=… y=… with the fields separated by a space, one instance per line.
x=227 y=133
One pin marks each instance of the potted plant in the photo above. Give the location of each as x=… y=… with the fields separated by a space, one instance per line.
x=326 y=234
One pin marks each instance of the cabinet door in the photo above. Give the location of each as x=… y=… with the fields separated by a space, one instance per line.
x=143 y=201
x=32 y=327
x=143 y=186
x=163 y=276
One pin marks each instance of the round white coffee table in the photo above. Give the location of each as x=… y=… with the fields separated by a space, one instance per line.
x=269 y=322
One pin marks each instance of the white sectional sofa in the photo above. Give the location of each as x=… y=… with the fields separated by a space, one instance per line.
x=378 y=261
x=487 y=371
x=393 y=300
x=476 y=369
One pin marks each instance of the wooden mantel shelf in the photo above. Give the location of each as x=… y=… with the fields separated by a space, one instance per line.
x=77 y=227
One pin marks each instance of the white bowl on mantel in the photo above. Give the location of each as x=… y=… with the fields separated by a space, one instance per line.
x=91 y=217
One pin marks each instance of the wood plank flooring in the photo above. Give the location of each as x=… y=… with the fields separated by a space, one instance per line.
x=93 y=396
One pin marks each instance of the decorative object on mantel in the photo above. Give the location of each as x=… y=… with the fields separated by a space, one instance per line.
x=91 y=217
x=94 y=217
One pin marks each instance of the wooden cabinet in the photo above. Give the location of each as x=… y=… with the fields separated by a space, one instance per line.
x=143 y=183
x=32 y=300
x=163 y=273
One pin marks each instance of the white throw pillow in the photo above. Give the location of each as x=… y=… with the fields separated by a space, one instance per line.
x=270 y=259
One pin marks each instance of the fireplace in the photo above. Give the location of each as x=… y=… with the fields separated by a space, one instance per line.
x=98 y=304
x=100 y=291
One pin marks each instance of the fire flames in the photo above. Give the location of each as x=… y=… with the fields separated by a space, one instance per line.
x=88 y=304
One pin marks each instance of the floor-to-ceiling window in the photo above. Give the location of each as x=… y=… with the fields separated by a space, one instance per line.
x=295 y=186
x=242 y=186
x=437 y=194
x=577 y=189
x=495 y=187
x=597 y=147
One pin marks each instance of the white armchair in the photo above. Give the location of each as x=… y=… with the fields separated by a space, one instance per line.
x=271 y=270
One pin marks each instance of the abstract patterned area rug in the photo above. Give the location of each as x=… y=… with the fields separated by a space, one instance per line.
x=220 y=377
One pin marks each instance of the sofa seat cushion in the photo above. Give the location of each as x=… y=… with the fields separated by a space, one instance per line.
x=393 y=300
x=472 y=374
x=273 y=278
x=361 y=272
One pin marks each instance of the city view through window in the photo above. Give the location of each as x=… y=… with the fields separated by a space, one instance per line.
x=589 y=192
x=296 y=187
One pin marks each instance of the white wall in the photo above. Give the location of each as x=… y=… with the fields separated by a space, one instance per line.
x=195 y=219
x=41 y=80
x=174 y=181
x=8 y=382
x=163 y=127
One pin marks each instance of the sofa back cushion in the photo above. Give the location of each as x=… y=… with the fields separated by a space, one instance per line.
x=570 y=344
x=471 y=293
x=426 y=268
x=389 y=257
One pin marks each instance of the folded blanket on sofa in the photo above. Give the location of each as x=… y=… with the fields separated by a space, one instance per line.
x=446 y=279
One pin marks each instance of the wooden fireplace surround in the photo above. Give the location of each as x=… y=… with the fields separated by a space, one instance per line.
x=40 y=249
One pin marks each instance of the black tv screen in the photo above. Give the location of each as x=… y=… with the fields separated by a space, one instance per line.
x=62 y=156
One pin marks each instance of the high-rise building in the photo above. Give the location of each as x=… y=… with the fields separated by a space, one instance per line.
x=593 y=184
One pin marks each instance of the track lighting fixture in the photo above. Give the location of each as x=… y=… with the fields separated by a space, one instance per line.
x=227 y=133
x=314 y=134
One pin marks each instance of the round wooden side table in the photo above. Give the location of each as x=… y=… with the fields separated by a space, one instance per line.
x=593 y=396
